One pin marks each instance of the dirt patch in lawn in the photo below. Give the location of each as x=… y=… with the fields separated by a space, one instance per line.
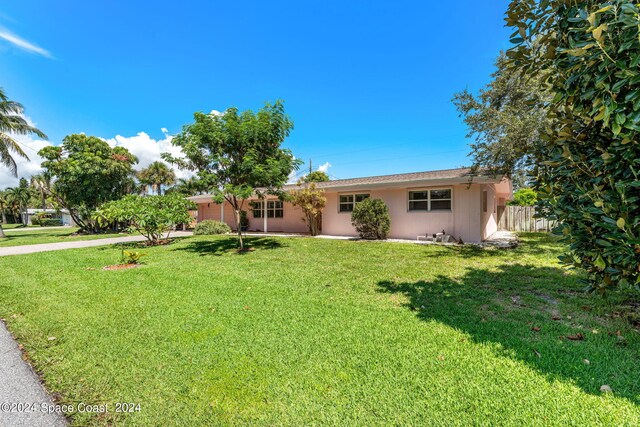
x=120 y=267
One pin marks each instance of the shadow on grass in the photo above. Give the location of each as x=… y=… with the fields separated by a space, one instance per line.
x=221 y=246
x=526 y=313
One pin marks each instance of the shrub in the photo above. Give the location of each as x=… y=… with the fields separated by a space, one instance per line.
x=210 y=227
x=151 y=216
x=371 y=219
x=50 y=222
x=244 y=221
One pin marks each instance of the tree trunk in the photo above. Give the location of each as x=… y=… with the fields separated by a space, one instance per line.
x=2 y=235
x=4 y=217
x=239 y=227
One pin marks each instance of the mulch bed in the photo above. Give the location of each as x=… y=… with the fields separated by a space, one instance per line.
x=120 y=267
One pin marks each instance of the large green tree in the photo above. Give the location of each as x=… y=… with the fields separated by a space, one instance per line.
x=588 y=52
x=87 y=172
x=156 y=175
x=506 y=119
x=238 y=155
x=12 y=123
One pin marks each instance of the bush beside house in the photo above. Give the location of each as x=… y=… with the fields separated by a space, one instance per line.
x=210 y=227
x=371 y=219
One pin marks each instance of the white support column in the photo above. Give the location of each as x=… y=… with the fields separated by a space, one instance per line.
x=222 y=212
x=264 y=214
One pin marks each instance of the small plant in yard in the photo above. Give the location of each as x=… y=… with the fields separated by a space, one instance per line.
x=210 y=227
x=371 y=219
x=132 y=257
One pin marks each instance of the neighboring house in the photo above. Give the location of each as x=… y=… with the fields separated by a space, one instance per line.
x=463 y=205
x=63 y=215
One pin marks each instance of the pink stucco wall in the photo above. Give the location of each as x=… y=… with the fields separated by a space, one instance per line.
x=290 y=223
x=464 y=219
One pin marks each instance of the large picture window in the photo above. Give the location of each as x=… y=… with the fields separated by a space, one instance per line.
x=430 y=200
x=348 y=201
x=275 y=209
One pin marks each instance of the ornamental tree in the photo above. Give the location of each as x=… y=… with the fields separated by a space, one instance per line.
x=86 y=172
x=152 y=216
x=238 y=155
x=588 y=54
x=311 y=200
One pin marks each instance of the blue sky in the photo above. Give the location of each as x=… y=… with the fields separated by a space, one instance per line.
x=367 y=83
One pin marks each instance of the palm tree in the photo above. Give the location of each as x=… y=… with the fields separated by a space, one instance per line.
x=4 y=205
x=12 y=122
x=20 y=196
x=188 y=187
x=41 y=183
x=156 y=175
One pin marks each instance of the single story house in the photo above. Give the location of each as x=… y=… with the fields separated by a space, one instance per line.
x=62 y=215
x=463 y=204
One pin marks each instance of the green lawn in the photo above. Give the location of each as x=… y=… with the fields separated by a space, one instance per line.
x=37 y=236
x=12 y=226
x=321 y=332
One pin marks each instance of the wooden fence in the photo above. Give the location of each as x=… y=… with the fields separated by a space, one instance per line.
x=521 y=218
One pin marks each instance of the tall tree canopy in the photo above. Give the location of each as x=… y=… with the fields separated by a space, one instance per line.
x=156 y=175
x=316 y=176
x=238 y=155
x=506 y=120
x=86 y=172
x=589 y=176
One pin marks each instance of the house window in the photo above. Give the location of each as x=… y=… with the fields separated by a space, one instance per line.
x=256 y=209
x=348 y=201
x=275 y=209
x=430 y=200
x=484 y=201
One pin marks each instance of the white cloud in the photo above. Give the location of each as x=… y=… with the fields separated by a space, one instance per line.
x=145 y=148
x=23 y=44
x=215 y=113
x=148 y=150
x=325 y=167
x=164 y=130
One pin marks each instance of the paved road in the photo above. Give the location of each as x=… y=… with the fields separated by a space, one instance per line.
x=19 y=384
x=46 y=247
x=11 y=230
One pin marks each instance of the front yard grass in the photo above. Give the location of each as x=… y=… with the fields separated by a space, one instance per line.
x=308 y=331
x=38 y=236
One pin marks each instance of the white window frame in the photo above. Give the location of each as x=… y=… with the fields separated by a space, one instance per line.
x=428 y=199
x=272 y=209
x=352 y=203
x=257 y=206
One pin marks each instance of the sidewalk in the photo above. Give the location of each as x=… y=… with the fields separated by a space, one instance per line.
x=20 y=385
x=46 y=247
